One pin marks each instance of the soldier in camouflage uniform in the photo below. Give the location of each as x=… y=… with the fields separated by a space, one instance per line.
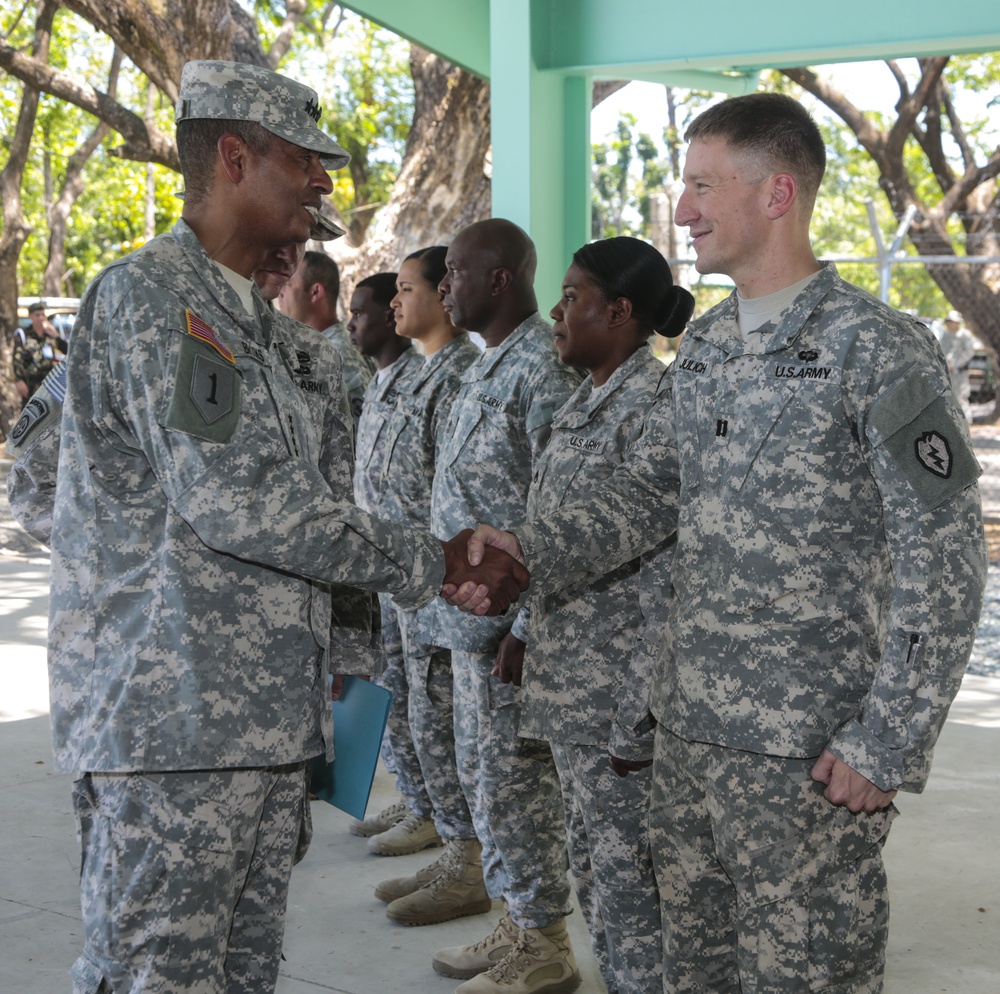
x=194 y=534
x=615 y=295
x=826 y=582
x=395 y=362
x=452 y=886
x=310 y=296
x=36 y=350
x=496 y=430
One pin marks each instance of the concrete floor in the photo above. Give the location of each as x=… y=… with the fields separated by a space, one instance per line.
x=943 y=857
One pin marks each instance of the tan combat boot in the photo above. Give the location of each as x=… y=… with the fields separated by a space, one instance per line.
x=463 y=962
x=381 y=822
x=458 y=891
x=396 y=887
x=411 y=834
x=540 y=962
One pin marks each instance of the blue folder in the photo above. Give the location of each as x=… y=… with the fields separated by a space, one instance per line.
x=359 y=719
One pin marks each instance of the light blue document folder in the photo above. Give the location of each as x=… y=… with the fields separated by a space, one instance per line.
x=359 y=719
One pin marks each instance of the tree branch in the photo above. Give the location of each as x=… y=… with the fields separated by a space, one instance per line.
x=141 y=143
x=909 y=109
x=294 y=9
x=871 y=139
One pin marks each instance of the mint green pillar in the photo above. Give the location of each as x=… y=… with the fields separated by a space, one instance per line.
x=541 y=146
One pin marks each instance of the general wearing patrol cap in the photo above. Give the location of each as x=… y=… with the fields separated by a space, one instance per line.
x=238 y=91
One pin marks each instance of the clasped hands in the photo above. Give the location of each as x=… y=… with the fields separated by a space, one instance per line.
x=484 y=571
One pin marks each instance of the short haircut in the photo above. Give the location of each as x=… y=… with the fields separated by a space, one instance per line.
x=772 y=132
x=432 y=266
x=631 y=268
x=318 y=267
x=198 y=146
x=383 y=287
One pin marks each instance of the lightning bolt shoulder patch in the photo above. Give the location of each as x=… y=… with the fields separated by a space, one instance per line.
x=927 y=445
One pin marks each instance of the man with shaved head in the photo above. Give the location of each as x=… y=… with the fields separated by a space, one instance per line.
x=497 y=427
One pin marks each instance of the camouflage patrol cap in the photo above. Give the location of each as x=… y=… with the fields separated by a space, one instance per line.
x=238 y=91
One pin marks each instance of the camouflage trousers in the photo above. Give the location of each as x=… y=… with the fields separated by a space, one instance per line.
x=766 y=887
x=398 y=752
x=432 y=725
x=184 y=879
x=512 y=789
x=606 y=821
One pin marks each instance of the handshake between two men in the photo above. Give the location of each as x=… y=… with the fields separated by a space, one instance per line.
x=484 y=570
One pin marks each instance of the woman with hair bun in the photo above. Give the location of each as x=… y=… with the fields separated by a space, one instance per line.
x=582 y=655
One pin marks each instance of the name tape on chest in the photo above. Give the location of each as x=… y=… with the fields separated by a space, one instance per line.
x=792 y=371
x=491 y=403
x=591 y=446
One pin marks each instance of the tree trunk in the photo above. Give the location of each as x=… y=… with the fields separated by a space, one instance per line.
x=15 y=229
x=72 y=186
x=443 y=183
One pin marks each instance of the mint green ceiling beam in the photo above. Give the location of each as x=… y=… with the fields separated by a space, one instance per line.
x=541 y=147
x=621 y=38
x=457 y=30
x=542 y=55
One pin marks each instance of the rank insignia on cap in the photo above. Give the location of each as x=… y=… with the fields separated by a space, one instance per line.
x=198 y=329
x=934 y=453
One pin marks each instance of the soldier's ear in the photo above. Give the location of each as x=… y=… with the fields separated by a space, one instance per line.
x=232 y=156
x=502 y=279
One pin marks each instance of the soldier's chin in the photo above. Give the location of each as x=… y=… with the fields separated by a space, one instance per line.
x=323 y=229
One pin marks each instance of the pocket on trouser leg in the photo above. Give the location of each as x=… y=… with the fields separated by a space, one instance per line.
x=817 y=917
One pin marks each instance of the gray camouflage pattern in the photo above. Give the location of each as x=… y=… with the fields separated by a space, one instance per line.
x=497 y=427
x=358 y=370
x=215 y=931
x=513 y=790
x=372 y=452
x=796 y=467
x=373 y=447
x=421 y=408
x=586 y=681
x=764 y=884
x=240 y=91
x=826 y=587
x=398 y=749
x=594 y=626
x=214 y=535
x=609 y=855
x=33 y=444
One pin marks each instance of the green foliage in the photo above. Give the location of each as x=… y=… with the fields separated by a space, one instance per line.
x=625 y=172
x=108 y=220
x=363 y=76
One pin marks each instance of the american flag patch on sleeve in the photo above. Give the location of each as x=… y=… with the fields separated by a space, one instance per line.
x=198 y=329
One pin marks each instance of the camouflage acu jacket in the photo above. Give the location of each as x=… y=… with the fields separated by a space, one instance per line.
x=498 y=426
x=830 y=559
x=194 y=530
x=358 y=369
x=587 y=665
x=372 y=448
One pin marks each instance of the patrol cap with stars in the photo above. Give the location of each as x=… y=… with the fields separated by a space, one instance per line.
x=238 y=91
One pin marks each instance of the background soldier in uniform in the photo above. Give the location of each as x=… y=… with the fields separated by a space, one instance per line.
x=310 y=296
x=452 y=886
x=826 y=582
x=498 y=426
x=372 y=320
x=587 y=651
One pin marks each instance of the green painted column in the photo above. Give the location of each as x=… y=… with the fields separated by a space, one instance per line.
x=541 y=146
